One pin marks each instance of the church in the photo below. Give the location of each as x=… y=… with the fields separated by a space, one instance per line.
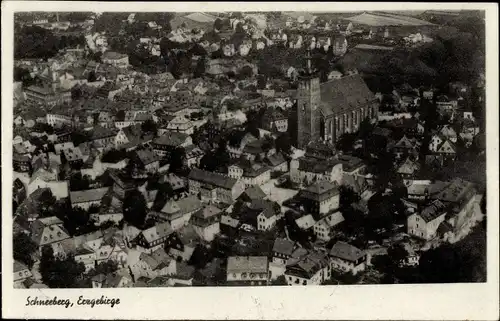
x=327 y=110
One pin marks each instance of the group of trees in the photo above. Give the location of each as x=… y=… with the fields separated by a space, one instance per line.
x=464 y=261
x=60 y=272
x=40 y=43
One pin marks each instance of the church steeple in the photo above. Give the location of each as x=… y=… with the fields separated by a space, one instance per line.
x=308 y=102
x=308 y=63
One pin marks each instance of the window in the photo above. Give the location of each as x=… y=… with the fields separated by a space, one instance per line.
x=20 y=273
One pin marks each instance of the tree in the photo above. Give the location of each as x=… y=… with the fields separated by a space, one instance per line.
x=77 y=182
x=59 y=272
x=200 y=68
x=35 y=42
x=105 y=268
x=347 y=197
x=283 y=143
x=218 y=24
x=280 y=280
x=24 y=248
x=397 y=254
x=346 y=142
x=246 y=72
x=149 y=126
x=177 y=159
x=135 y=208
x=91 y=77
x=46 y=203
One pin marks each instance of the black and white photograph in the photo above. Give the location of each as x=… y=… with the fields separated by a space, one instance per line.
x=248 y=148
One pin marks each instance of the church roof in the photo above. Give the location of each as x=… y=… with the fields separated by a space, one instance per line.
x=344 y=94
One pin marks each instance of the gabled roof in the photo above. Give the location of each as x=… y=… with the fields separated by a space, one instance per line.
x=344 y=94
x=157 y=232
x=173 y=139
x=283 y=246
x=88 y=195
x=305 y=222
x=254 y=192
x=433 y=211
x=207 y=212
x=346 y=251
x=247 y=264
x=218 y=180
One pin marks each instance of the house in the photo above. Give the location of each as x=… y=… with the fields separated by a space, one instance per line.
x=168 y=142
x=250 y=174
x=184 y=242
x=47 y=95
x=214 y=187
x=21 y=163
x=103 y=137
x=87 y=198
x=155 y=264
x=247 y=270
x=321 y=197
x=154 y=237
x=149 y=159
x=46 y=179
x=181 y=124
x=408 y=169
x=48 y=230
x=323 y=229
x=110 y=211
x=448 y=132
x=179 y=212
x=253 y=192
x=460 y=198
x=267 y=217
x=274 y=120
x=118 y=279
x=282 y=251
x=305 y=222
x=121 y=184
x=116 y=59
x=18 y=191
x=406 y=146
x=347 y=258
x=21 y=271
x=425 y=224
x=193 y=155
x=206 y=222
x=308 y=169
x=309 y=269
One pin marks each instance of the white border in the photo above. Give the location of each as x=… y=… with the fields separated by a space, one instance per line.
x=416 y=302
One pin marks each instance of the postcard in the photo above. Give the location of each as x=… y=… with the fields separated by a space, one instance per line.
x=250 y=160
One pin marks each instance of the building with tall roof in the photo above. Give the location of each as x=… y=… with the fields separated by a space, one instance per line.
x=328 y=110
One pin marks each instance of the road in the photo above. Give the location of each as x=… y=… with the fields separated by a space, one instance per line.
x=278 y=194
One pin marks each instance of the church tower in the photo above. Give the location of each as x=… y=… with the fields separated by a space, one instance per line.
x=308 y=104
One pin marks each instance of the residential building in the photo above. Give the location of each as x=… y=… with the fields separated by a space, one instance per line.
x=154 y=237
x=247 y=270
x=282 y=251
x=309 y=269
x=214 y=187
x=179 y=212
x=48 y=230
x=347 y=258
x=321 y=197
x=426 y=223
x=323 y=229
x=116 y=59
x=87 y=198
x=250 y=174
x=206 y=222
x=168 y=142
x=307 y=170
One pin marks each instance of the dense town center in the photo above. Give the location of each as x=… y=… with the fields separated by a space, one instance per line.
x=248 y=148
